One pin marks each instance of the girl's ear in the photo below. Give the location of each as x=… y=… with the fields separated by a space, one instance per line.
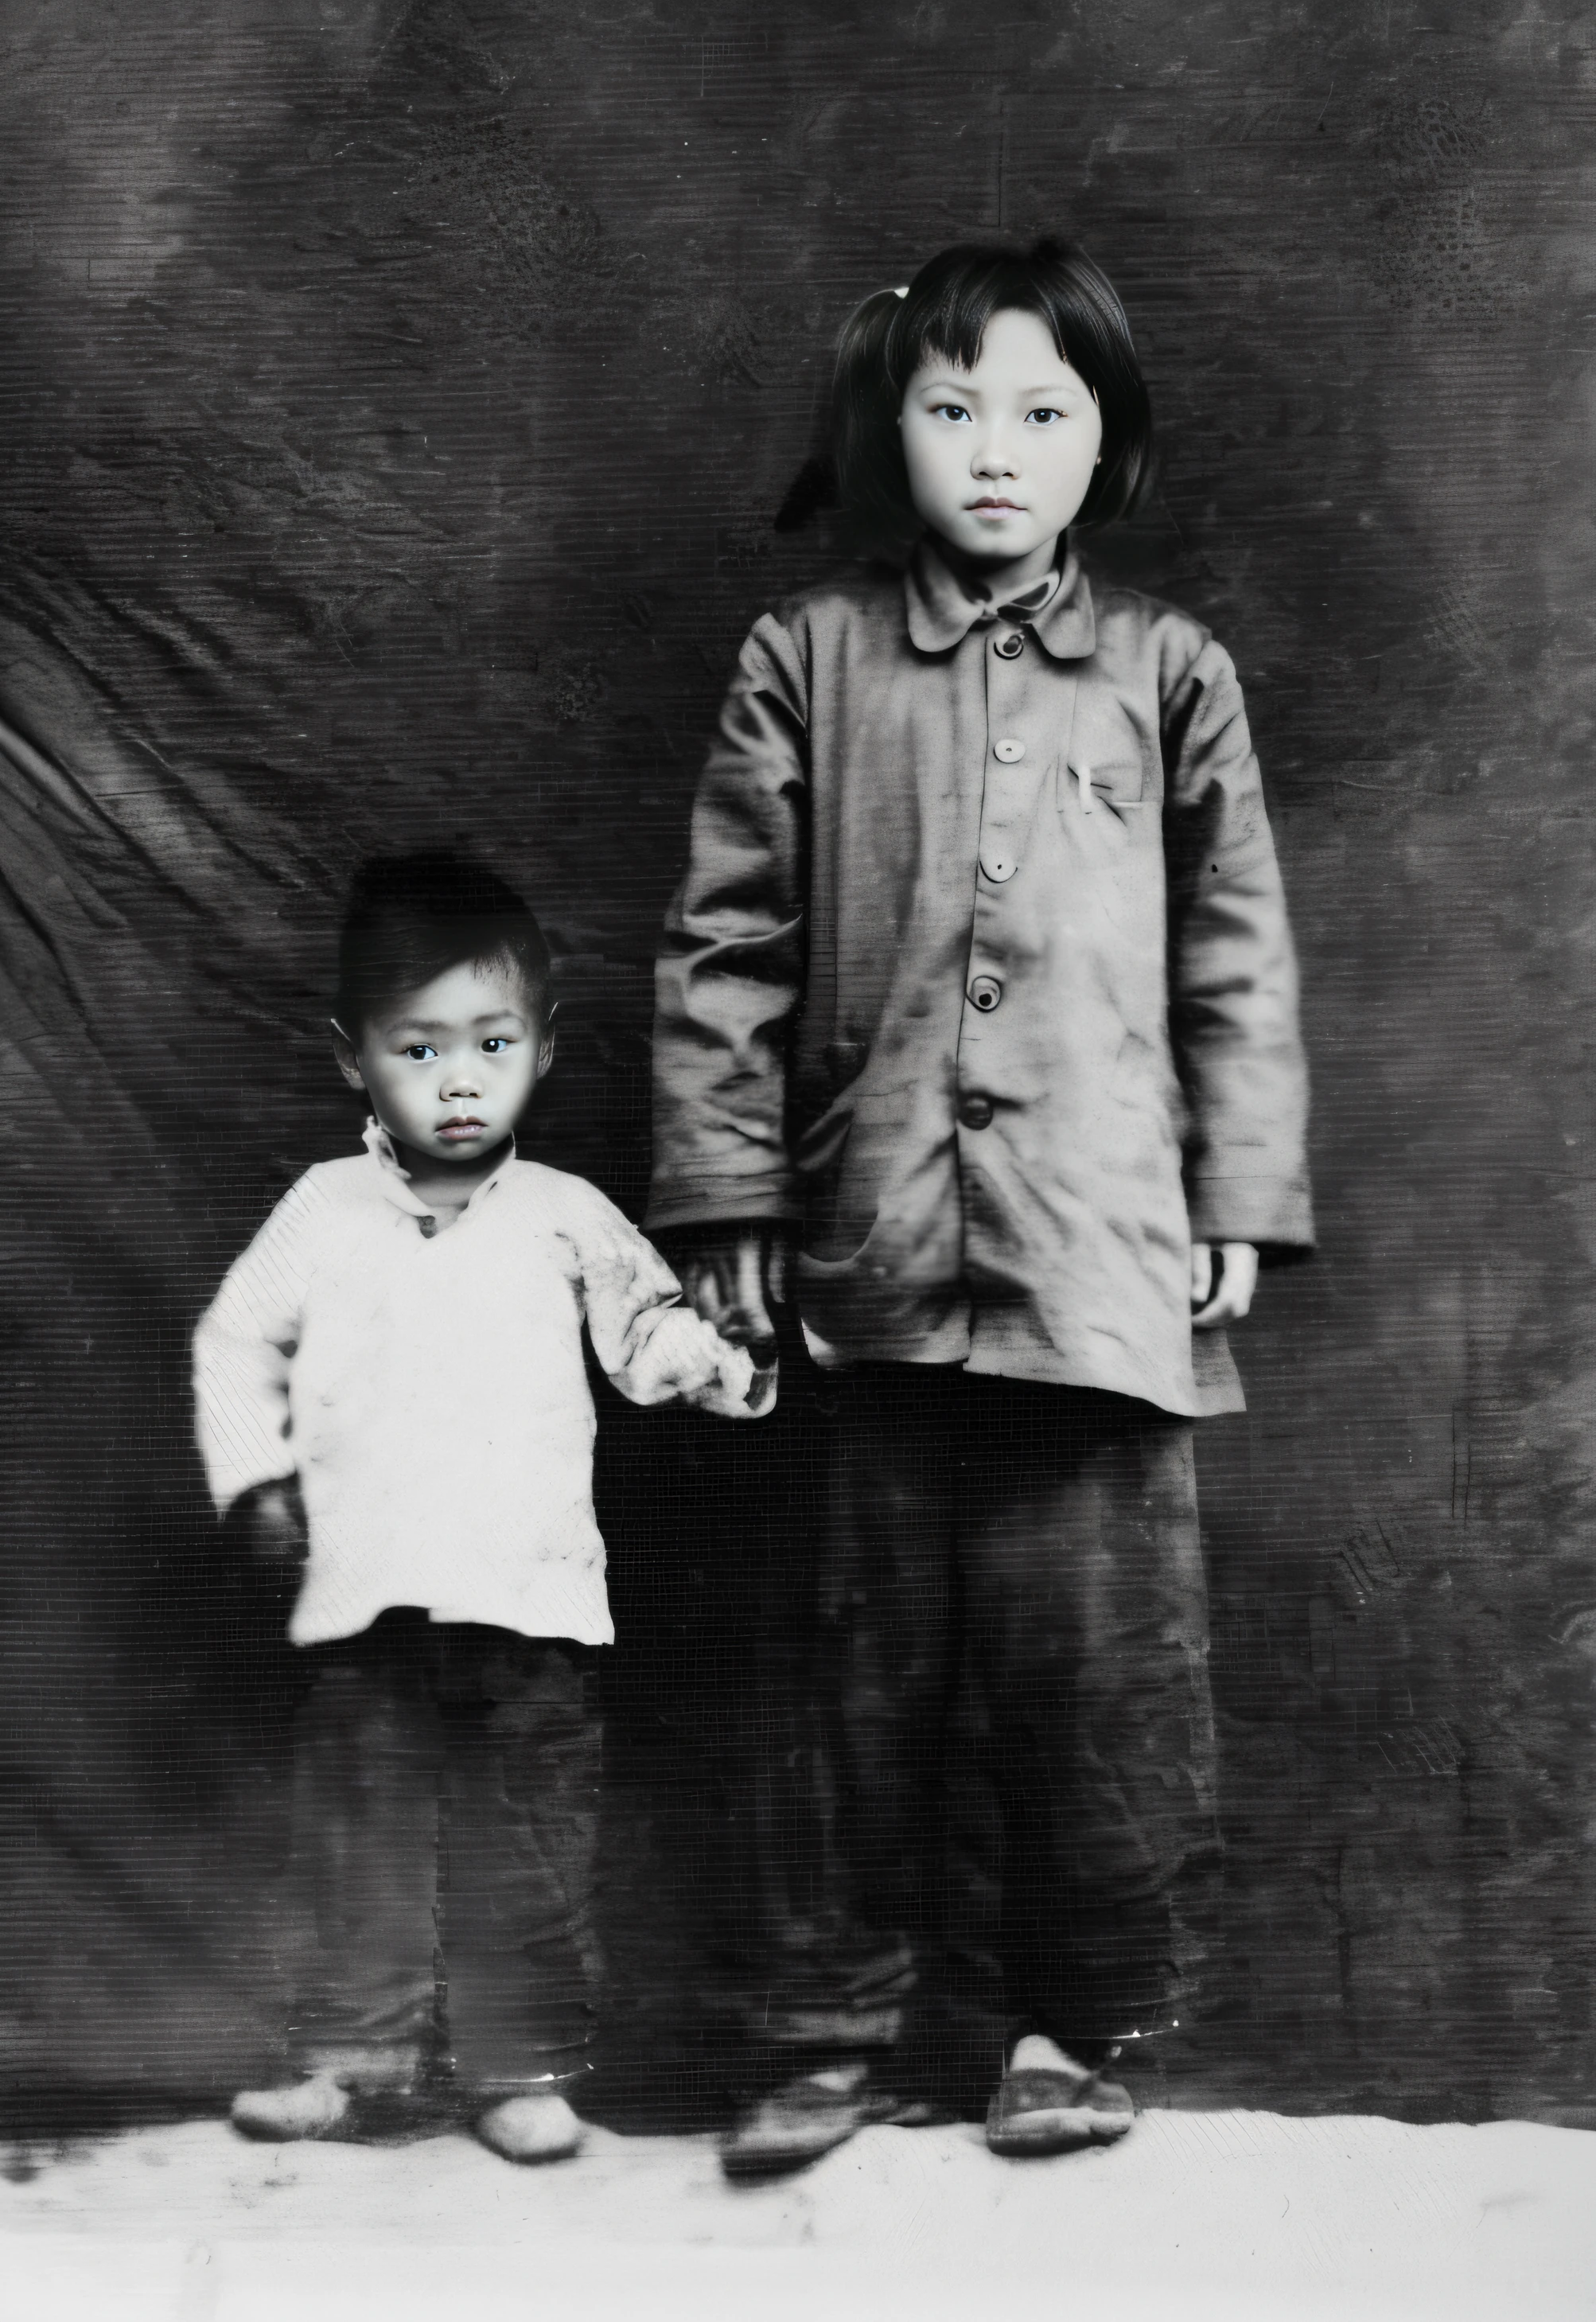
x=343 y=1049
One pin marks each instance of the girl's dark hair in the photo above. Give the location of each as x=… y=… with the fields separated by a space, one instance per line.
x=413 y=917
x=944 y=312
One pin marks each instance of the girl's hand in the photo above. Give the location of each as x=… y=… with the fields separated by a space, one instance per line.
x=729 y=1274
x=278 y=1534
x=1227 y=1298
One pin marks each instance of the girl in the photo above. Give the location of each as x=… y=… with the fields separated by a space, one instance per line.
x=980 y=981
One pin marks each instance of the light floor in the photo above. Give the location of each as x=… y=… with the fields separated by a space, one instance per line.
x=1233 y=2214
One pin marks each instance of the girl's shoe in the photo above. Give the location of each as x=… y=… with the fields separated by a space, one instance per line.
x=1056 y=2109
x=804 y=2118
x=313 y=2106
x=531 y=2128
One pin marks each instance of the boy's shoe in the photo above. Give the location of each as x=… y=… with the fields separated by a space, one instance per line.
x=1058 y=2109
x=531 y=2128
x=333 y=2080
x=804 y=2118
x=313 y=2107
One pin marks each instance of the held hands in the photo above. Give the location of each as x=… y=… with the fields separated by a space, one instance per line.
x=1223 y=1293
x=278 y=1538
x=732 y=1276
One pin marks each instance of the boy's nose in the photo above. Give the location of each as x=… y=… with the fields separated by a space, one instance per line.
x=459 y=1084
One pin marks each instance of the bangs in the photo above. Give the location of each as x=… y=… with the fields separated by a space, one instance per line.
x=953 y=327
x=951 y=302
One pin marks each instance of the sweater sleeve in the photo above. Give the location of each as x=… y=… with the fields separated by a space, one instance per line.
x=731 y=969
x=651 y=1346
x=242 y=1349
x=1233 y=975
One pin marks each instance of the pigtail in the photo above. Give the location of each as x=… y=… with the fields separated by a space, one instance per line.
x=811 y=492
x=867 y=393
x=864 y=355
x=858 y=464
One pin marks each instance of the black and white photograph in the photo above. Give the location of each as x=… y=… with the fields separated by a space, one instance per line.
x=799 y=1480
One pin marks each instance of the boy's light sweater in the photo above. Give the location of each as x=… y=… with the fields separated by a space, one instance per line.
x=429 y=1390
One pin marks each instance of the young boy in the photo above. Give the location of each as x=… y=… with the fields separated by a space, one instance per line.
x=391 y=1383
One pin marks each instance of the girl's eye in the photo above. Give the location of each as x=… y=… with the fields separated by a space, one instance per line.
x=949 y=411
x=419 y=1053
x=1044 y=414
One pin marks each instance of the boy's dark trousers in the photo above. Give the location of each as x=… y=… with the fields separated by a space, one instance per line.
x=999 y=1782
x=445 y=1812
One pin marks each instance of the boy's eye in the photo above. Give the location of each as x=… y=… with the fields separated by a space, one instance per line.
x=418 y=1052
x=495 y=1045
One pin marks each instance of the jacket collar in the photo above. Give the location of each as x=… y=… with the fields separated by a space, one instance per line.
x=941 y=615
x=395 y=1182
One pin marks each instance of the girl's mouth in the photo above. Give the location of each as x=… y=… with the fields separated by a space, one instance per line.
x=996 y=508
x=461 y=1131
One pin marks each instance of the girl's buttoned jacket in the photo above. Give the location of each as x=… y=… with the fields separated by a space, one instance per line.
x=981 y=969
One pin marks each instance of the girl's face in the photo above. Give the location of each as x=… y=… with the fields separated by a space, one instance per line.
x=999 y=457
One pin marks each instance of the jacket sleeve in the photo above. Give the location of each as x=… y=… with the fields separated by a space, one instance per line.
x=242 y=1349
x=648 y=1345
x=731 y=969
x=1233 y=975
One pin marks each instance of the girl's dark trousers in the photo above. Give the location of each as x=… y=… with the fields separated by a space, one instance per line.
x=976 y=1787
x=446 y=1784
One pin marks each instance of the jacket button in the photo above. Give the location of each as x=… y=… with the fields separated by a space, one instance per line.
x=985 y=993
x=998 y=867
x=1008 y=750
x=429 y=1227
x=1011 y=646
x=976 y=1112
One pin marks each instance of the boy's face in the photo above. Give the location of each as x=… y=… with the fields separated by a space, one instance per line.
x=999 y=457
x=449 y=1068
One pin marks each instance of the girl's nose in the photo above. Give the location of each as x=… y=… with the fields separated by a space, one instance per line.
x=992 y=460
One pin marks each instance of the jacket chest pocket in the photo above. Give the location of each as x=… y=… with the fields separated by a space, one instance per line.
x=1106 y=767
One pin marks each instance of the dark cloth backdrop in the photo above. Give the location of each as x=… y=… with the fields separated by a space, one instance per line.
x=394 y=404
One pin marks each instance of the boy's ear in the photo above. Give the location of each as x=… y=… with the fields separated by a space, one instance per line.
x=343 y=1048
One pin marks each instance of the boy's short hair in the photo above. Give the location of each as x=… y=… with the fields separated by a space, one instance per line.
x=945 y=311
x=411 y=917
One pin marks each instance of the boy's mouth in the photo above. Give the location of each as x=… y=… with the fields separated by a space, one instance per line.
x=461 y=1128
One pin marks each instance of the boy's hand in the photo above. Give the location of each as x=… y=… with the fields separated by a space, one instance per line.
x=729 y=1274
x=278 y=1536
x=1228 y=1297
